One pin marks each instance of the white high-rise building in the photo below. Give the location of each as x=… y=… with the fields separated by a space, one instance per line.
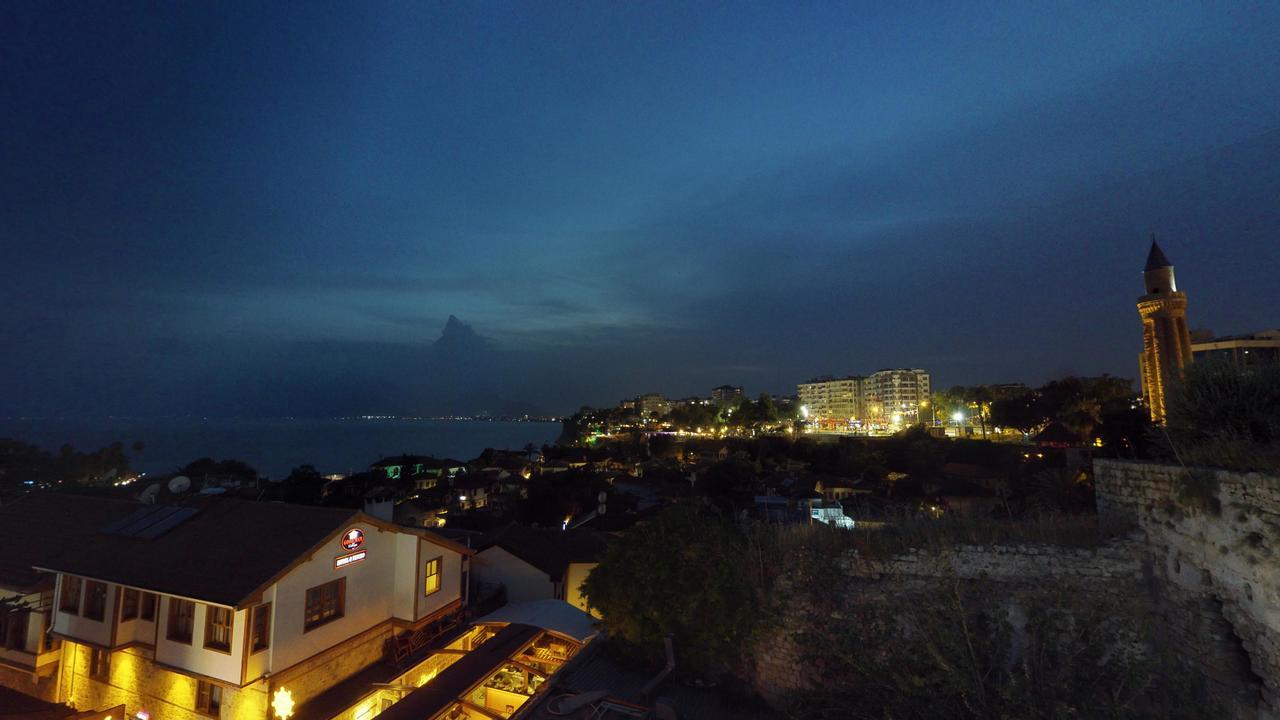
x=896 y=396
x=829 y=399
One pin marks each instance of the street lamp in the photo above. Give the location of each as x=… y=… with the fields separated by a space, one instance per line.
x=958 y=417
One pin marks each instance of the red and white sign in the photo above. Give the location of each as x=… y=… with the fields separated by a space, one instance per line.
x=344 y=560
x=352 y=539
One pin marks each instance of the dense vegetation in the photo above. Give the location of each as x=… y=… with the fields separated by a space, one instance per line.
x=948 y=651
x=1219 y=416
x=21 y=463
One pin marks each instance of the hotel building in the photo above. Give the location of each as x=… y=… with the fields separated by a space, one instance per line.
x=832 y=401
x=896 y=397
x=231 y=609
x=886 y=397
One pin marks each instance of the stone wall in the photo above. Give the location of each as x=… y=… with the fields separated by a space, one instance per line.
x=133 y=680
x=1211 y=538
x=1010 y=573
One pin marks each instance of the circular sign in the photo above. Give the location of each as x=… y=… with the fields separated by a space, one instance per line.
x=353 y=539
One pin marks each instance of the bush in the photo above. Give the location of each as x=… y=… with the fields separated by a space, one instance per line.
x=1222 y=416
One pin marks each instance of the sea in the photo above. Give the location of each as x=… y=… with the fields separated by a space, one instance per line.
x=275 y=446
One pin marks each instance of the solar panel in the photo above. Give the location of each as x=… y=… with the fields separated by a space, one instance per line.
x=139 y=518
x=166 y=524
x=145 y=521
x=150 y=522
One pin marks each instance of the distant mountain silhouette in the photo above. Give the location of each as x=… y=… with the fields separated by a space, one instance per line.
x=469 y=374
x=459 y=340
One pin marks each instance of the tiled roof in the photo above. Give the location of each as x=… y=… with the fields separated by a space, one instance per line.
x=551 y=551
x=224 y=553
x=46 y=524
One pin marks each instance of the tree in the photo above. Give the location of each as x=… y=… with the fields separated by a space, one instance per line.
x=645 y=589
x=730 y=484
x=1020 y=411
x=303 y=486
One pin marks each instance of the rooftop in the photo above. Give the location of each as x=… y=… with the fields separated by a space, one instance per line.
x=220 y=550
x=1156 y=258
x=50 y=524
x=550 y=551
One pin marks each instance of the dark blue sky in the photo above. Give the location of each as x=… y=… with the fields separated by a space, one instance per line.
x=272 y=210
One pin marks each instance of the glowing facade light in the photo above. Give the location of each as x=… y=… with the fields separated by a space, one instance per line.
x=957 y=416
x=282 y=703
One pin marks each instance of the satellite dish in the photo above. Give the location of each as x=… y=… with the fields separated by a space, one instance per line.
x=179 y=484
x=149 y=495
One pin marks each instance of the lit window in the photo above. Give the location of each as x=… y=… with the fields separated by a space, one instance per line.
x=95 y=600
x=217 y=628
x=208 y=698
x=69 y=602
x=432 y=583
x=261 y=628
x=182 y=615
x=324 y=603
x=129 y=604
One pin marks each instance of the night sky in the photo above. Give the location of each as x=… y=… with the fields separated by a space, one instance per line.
x=273 y=211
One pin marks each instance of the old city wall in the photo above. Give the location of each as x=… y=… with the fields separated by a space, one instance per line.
x=1202 y=560
x=1015 y=574
x=1210 y=538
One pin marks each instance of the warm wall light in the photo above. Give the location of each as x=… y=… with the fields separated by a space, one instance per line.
x=282 y=703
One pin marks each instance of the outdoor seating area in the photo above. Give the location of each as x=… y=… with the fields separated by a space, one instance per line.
x=494 y=670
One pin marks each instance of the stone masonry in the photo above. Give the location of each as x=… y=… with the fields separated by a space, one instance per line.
x=1212 y=538
x=1008 y=572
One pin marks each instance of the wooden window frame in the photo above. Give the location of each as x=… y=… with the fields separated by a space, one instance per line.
x=70 y=608
x=13 y=629
x=95 y=600
x=99 y=664
x=129 y=602
x=147 y=604
x=205 y=692
x=260 y=637
x=438 y=575
x=211 y=626
x=340 y=604
x=172 y=615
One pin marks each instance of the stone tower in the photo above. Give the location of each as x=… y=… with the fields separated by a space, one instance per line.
x=1166 y=344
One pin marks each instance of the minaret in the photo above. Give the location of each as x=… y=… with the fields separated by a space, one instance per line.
x=1166 y=344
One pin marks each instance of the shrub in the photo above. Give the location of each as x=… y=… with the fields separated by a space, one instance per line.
x=1222 y=416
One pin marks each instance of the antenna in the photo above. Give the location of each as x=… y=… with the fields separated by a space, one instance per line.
x=148 y=496
x=179 y=484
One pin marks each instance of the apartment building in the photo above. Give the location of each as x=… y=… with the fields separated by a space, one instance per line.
x=1248 y=351
x=653 y=405
x=224 y=608
x=725 y=393
x=828 y=400
x=896 y=396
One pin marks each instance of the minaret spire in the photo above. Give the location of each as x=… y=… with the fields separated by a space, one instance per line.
x=1166 y=343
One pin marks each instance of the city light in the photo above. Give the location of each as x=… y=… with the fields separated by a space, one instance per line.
x=282 y=703
x=958 y=417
